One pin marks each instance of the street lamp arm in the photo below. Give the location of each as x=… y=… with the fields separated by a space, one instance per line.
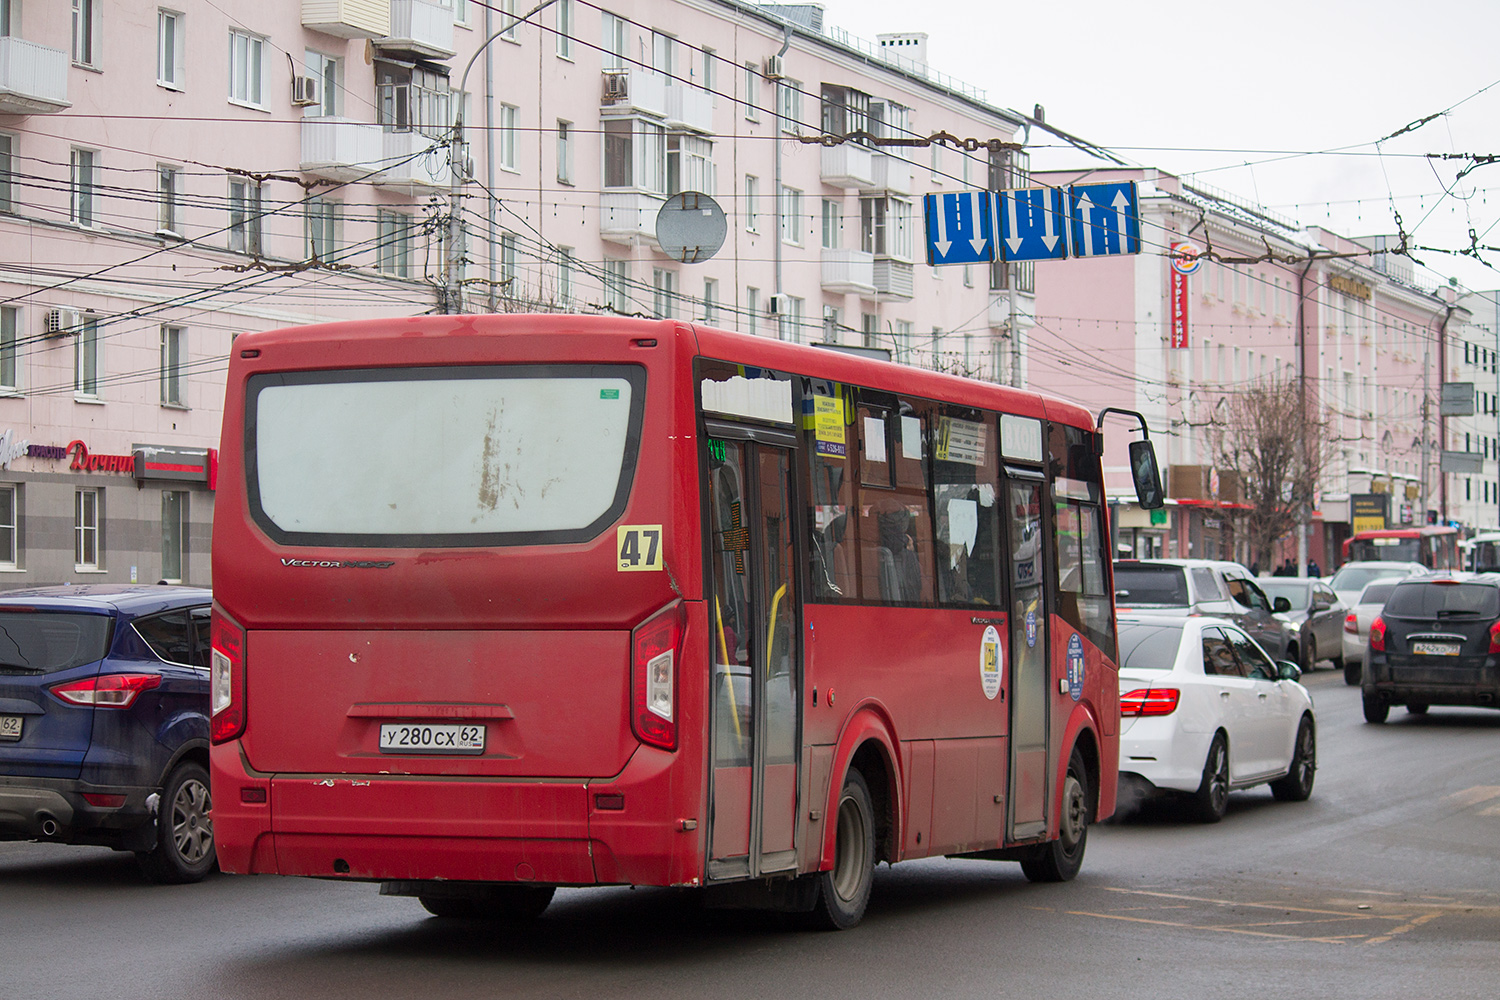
x=463 y=79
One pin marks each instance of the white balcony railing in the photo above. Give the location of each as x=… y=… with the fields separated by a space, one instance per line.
x=893 y=279
x=689 y=107
x=848 y=165
x=348 y=18
x=33 y=78
x=422 y=27
x=891 y=173
x=342 y=150
x=635 y=89
x=629 y=216
x=846 y=271
x=412 y=161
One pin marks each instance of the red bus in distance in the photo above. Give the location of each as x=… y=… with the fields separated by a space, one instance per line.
x=508 y=603
x=1434 y=546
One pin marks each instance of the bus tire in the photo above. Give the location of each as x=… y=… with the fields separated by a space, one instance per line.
x=1061 y=859
x=512 y=903
x=844 y=890
x=184 y=850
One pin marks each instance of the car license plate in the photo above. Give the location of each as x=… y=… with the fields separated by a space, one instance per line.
x=1435 y=648
x=435 y=738
x=10 y=727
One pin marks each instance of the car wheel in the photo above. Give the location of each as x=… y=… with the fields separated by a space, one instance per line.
x=1352 y=671
x=512 y=903
x=1211 y=800
x=1298 y=783
x=1310 y=655
x=1376 y=709
x=1417 y=708
x=1061 y=859
x=184 y=850
x=844 y=891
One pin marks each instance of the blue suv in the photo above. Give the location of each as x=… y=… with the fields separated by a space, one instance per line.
x=104 y=722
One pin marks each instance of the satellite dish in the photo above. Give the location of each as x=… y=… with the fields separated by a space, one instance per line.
x=690 y=227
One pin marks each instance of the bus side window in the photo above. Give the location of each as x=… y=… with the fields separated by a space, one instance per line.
x=963 y=494
x=895 y=527
x=1083 y=600
x=828 y=438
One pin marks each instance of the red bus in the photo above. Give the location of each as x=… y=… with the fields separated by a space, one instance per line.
x=1433 y=546
x=506 y=603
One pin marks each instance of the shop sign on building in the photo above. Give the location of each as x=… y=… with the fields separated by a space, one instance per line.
x=1368 y=511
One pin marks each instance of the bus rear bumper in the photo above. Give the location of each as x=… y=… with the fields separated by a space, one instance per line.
x=388 y=827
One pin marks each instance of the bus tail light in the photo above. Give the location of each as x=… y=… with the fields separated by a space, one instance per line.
x=106 y=690
x=1377 y=635
x=1495 y=638
x=654 y=647
x=1149 y=701
x=226 y=679
x=1351 y=623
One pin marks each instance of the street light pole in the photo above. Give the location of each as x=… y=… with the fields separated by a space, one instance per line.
x=453 y=260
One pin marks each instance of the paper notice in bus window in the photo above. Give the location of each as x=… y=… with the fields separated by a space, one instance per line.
x=828 y=425
x=911 y=438
x=963 y=525
x=874 y=439
x=960 y=441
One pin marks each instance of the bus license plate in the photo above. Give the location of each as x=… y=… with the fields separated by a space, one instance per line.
x=10 y=727
x=1435 y=648
x=438 y=738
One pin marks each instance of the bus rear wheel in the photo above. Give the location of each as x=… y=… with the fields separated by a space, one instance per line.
x=1061 y=859
x=500 y=903
x=844 y=891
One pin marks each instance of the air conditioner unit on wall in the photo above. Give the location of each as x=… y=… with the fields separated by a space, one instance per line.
x=775 y=70
x=59 y=323
x=616 y=86
x=305 y=91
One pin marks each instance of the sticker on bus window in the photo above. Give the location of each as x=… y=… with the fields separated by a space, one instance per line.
x=989 y=662
x=638 y=547
x=828 y=425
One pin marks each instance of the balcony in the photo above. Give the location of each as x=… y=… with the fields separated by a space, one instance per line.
x=892 y=174
x=689 y=108
x=635 y=89
x=348 y=18
x=849 y=271
x=629 y=216
x=848 y=166
x=33 y=78
x=893 y=282
x=413 y=162
x=998 y=316
x=421 y=28
x=341 y=150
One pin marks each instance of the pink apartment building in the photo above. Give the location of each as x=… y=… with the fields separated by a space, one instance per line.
x=173 y=175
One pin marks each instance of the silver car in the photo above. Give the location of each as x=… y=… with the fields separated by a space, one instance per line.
x=1365 y=609
x=1352 y=576
x=1316 y=614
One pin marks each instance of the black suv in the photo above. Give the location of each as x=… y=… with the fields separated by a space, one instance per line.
x=1437 y=642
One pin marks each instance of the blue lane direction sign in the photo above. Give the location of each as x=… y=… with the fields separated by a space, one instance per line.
x=1033 y=224
x=1104 y=219
x=960 y=228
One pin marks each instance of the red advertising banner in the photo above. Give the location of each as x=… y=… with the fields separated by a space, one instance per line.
x=1179 y=310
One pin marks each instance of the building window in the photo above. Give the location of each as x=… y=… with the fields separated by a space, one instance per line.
x=752 y=310
x=393 y=255
x=663 y=293
x=245 y=60
x=6 y=166
x=752 y=92
x=86 y=529
x=509 y=275
x=752 y=195
x=617 y=285
x=173 y=346
x=510 y=149
x=508 y=13
x=664 y=54
x=565 y=268
x=791 y=215
x=87 y=31
x=565 y=28
x=789 y=103
x=86 y=359
x=710 y=301
x=616 y=41
x=321 y=218
x=635 y=154
x=173 y=535
x=791 y=318
x=9 y=357
x=690 y=165
x=461 y=13
x=168 y=194
x=85 y=170
x=170 y=46
x=564 y=152
x=706 y=78
x=901 y=338
x=329 y=72
x=244 y=217
x=413 y=98
x=885 y=228
x=9 y=542
x=833 y=224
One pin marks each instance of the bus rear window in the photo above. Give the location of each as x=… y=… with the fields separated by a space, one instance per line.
x=495 y=455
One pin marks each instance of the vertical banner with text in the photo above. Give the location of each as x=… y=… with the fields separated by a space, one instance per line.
x=1185 y=261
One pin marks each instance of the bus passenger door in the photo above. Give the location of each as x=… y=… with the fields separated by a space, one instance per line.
x=755 y=624
x=1030 y=678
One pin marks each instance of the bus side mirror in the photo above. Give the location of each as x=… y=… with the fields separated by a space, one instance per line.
x=1147 y=476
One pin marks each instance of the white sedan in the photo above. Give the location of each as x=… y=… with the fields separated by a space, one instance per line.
x=1204 y=711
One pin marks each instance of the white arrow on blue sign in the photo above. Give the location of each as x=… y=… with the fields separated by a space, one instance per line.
x=1104 y=219
x=960 y=228
x=1033 y=224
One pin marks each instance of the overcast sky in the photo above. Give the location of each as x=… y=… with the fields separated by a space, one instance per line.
x=1253 y=98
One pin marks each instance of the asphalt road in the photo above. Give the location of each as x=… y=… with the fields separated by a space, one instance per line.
x=1384 y=884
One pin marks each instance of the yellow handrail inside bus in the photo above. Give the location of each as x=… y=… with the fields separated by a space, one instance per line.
x=734 y=709
x=771 y=627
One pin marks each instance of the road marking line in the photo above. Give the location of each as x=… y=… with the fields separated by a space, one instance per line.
x=1266 y=906
x=1491 y=811
x=1202 y=927
x=1418 y=922
x=1477 y=794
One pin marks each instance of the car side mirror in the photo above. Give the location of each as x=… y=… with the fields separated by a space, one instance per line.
x=1321 y=604
x=1147 y=476
x=1281 y=604
x=1286 y=670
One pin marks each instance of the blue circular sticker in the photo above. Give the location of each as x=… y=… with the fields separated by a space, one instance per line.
x=1075 y=666
x=1031 y=628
